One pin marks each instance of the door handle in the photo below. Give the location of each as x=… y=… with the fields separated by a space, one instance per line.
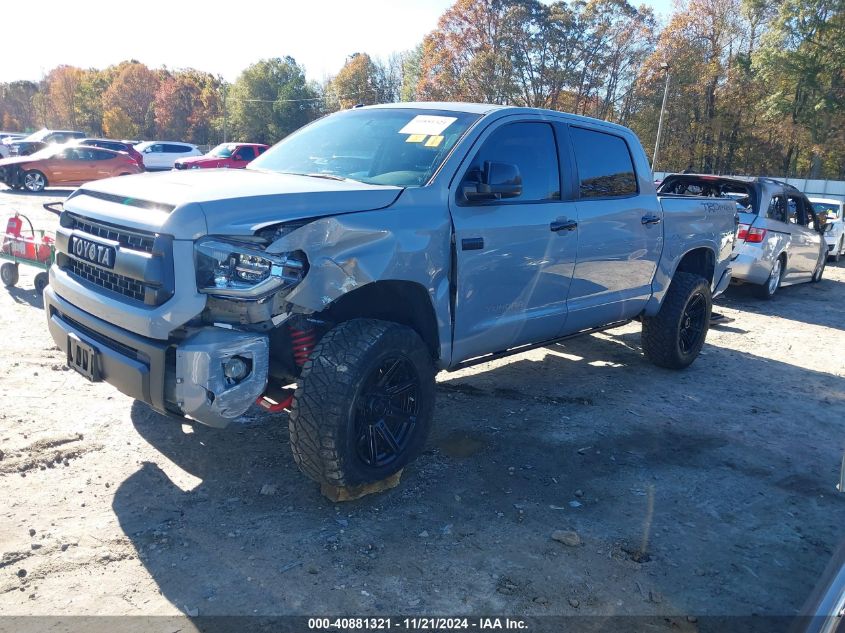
x=651 y=219
x=563 y=225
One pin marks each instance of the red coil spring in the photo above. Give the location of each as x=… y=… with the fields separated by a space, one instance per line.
x=302 y=342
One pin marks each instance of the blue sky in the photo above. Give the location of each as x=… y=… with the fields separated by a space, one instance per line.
x=215 y=36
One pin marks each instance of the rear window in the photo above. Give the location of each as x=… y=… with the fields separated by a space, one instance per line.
x=743 y=194
x=605 y=168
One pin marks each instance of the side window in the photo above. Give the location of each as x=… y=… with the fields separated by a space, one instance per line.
x=70 y=154
x=777 y=209
x=531 y=147
x=157 y=148
x=604 y=164
x=245 y=153
x=793 y=211
x=101 y=155
x=177 y=149
x=261 y=150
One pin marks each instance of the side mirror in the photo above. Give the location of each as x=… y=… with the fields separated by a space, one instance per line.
x=496 y=181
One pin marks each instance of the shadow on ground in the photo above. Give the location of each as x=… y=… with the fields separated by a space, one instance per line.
x=708 y=509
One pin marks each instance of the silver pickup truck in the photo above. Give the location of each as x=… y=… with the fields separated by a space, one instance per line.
x=343 y=268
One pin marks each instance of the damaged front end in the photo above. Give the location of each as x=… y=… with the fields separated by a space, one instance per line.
x=223 y=367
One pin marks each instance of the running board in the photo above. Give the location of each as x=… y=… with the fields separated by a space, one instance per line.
x=526 y=348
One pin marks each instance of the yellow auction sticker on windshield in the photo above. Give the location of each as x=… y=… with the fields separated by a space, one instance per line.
x=434 y=141
x=428 y=124
x=415 y=138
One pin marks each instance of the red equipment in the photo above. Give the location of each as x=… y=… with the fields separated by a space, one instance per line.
x=302 y=342
x=26 y=247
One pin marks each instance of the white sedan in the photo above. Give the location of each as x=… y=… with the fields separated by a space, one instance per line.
x=832 y=210
x=163 y=154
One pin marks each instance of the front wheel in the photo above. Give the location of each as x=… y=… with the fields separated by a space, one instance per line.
x=9 y=274
x=364 y=403
x=819 y=272
x=674 y=337
x=41 y=281
x=34 y=181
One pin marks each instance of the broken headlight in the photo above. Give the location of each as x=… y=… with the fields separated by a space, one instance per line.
x=232 y=269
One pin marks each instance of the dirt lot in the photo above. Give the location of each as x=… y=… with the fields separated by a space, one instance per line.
x=706 y=492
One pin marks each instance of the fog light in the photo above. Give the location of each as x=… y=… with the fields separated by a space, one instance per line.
x=235 y=368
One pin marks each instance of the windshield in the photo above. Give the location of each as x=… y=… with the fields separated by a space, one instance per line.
x=224 y=150
x=401 y=147
x=826 y=208
x=37 y=136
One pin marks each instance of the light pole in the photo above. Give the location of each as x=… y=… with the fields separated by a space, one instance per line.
x=665 y=67
x=225 y=90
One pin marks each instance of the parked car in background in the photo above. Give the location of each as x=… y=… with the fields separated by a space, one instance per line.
x=832 y=211
x=158 y=155
x=65 y=166
x=779 y=238
x=115 y=146
x=41 y=139
x=5 y=139
x=225 y=155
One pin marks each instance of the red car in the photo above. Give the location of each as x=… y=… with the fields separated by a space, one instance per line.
x=227 y=155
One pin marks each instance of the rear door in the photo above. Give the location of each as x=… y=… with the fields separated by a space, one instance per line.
x=620 y=232
x=514 y=257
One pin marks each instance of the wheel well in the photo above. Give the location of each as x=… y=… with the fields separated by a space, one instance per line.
x=402 y=302
x=699 y=261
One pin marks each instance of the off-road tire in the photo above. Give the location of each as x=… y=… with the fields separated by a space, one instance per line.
x=322 y=416
x=661 y=334
x=9 y=274
x=767 y=290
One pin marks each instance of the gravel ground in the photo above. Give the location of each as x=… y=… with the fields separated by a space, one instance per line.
x=704 y=492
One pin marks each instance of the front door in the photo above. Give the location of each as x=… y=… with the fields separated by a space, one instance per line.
x=515 y=256
x=803 y=256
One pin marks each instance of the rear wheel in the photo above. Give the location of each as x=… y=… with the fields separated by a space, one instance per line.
x=9 y=274
x=364 y=403
x=768 y=289
x=34 y=181
x=674 y=337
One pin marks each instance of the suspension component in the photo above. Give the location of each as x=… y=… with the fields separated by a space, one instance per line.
x=302 y=342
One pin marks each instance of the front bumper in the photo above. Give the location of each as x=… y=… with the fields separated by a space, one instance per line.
x=176 y=377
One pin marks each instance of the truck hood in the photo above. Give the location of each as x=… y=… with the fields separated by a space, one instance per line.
x=192 y=203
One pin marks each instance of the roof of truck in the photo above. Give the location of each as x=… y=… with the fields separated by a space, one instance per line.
x=487 y=108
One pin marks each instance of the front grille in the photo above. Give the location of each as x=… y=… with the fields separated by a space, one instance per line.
x=135 y=240
x=120 y=284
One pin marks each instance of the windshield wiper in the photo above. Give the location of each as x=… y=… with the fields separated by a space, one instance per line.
x=326 y=176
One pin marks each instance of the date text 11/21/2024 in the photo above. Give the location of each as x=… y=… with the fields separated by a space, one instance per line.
x=416 y=624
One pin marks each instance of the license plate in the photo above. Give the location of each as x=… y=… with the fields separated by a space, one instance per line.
x=82 y=357
x=91 y=251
